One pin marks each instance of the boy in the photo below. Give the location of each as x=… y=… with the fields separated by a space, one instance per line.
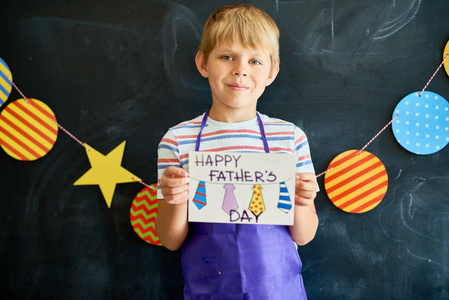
x=239 y=55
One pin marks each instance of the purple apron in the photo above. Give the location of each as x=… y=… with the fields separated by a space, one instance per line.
x=235 y=261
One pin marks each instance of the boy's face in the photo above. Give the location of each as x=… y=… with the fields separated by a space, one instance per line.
x=237 y=78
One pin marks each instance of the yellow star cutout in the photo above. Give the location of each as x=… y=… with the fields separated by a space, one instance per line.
x=106 y=171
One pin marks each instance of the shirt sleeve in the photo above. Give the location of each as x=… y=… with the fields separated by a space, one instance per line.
x=168 y=155
x=303 y=158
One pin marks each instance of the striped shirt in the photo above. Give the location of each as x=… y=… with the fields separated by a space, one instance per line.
x=282 y=137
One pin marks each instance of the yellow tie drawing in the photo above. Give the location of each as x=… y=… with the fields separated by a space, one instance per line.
x=257 y=206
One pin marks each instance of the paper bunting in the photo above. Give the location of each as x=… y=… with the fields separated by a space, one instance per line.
x=356 y=181
x=5 y=82
x=422 y=126
x=106 y=171
x=143 y=214
x=28 y=129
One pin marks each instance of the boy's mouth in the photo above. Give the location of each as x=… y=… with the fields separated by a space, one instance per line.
x=238 y=87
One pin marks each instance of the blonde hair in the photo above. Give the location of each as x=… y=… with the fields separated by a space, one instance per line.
x=246 y=24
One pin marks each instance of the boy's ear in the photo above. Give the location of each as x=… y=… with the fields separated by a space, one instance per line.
x=200 y=65
x=274 y=72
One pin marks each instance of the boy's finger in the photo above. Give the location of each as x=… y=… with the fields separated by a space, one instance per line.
x=306 y=194
x=177 y=198
x=171 y=182
x=308 y=185
x=305 y=176
x=176 y=172
x=174 y=176
x=175 y=193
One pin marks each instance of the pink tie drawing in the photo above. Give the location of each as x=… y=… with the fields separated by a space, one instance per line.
x=229 y=201
x=200 y=195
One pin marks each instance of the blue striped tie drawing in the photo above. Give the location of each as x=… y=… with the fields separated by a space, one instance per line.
x=284 y=203
x=200 y=195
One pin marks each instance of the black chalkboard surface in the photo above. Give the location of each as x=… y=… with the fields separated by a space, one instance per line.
x=124 y=70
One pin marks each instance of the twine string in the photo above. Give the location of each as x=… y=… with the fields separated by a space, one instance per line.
x=70 y=135
x=141 y=182
x=385 y=127
x=322 y=173
x=236 y=181
x=65 y=130
x=54 y=121
x=19 y=91
x=364 y=147
x=431 y=78
x=319 y=175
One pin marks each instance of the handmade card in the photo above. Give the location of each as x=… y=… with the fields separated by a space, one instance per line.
x=241 y=188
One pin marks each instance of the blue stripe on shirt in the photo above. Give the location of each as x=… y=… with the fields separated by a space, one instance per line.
x=166 y=146
x=303 y=163
x=301 y=145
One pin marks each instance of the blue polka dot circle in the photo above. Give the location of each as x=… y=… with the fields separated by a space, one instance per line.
x=422 y=125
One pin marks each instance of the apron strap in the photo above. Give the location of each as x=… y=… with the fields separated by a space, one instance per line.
x=262 y=133
x=203 y=124
x=259 y=121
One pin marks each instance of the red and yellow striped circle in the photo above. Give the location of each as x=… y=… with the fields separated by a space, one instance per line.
x=446 y=63
x=27 y=131
x=356 y=183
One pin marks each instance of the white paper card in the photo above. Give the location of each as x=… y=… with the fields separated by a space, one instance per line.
x=241 y=188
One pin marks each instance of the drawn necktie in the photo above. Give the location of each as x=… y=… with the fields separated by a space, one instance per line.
x=200 y=195
x=229 y=202
x=257 y=206
x=284 y=204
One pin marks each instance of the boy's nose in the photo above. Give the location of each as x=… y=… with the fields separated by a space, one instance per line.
x=239 y=68
x=240 y=72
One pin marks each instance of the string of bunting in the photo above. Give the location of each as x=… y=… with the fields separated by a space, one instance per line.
x=29 y=129
x=355 y=181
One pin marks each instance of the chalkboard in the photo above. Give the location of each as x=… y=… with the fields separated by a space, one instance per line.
x=124 y=70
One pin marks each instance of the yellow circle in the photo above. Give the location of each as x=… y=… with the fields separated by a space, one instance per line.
x=28 y=129
x=357 y=181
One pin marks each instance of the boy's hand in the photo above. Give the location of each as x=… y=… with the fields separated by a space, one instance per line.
x=175 y=185
x=306 y=187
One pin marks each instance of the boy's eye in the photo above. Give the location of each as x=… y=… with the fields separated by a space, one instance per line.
x=255 y=62
x=226 y=57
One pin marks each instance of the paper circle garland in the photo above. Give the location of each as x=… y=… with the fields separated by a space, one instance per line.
x=422 y=125
x=5 y=82
x=27 y=131
x=143 y=214
x=445 y=53
x=356 y=182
